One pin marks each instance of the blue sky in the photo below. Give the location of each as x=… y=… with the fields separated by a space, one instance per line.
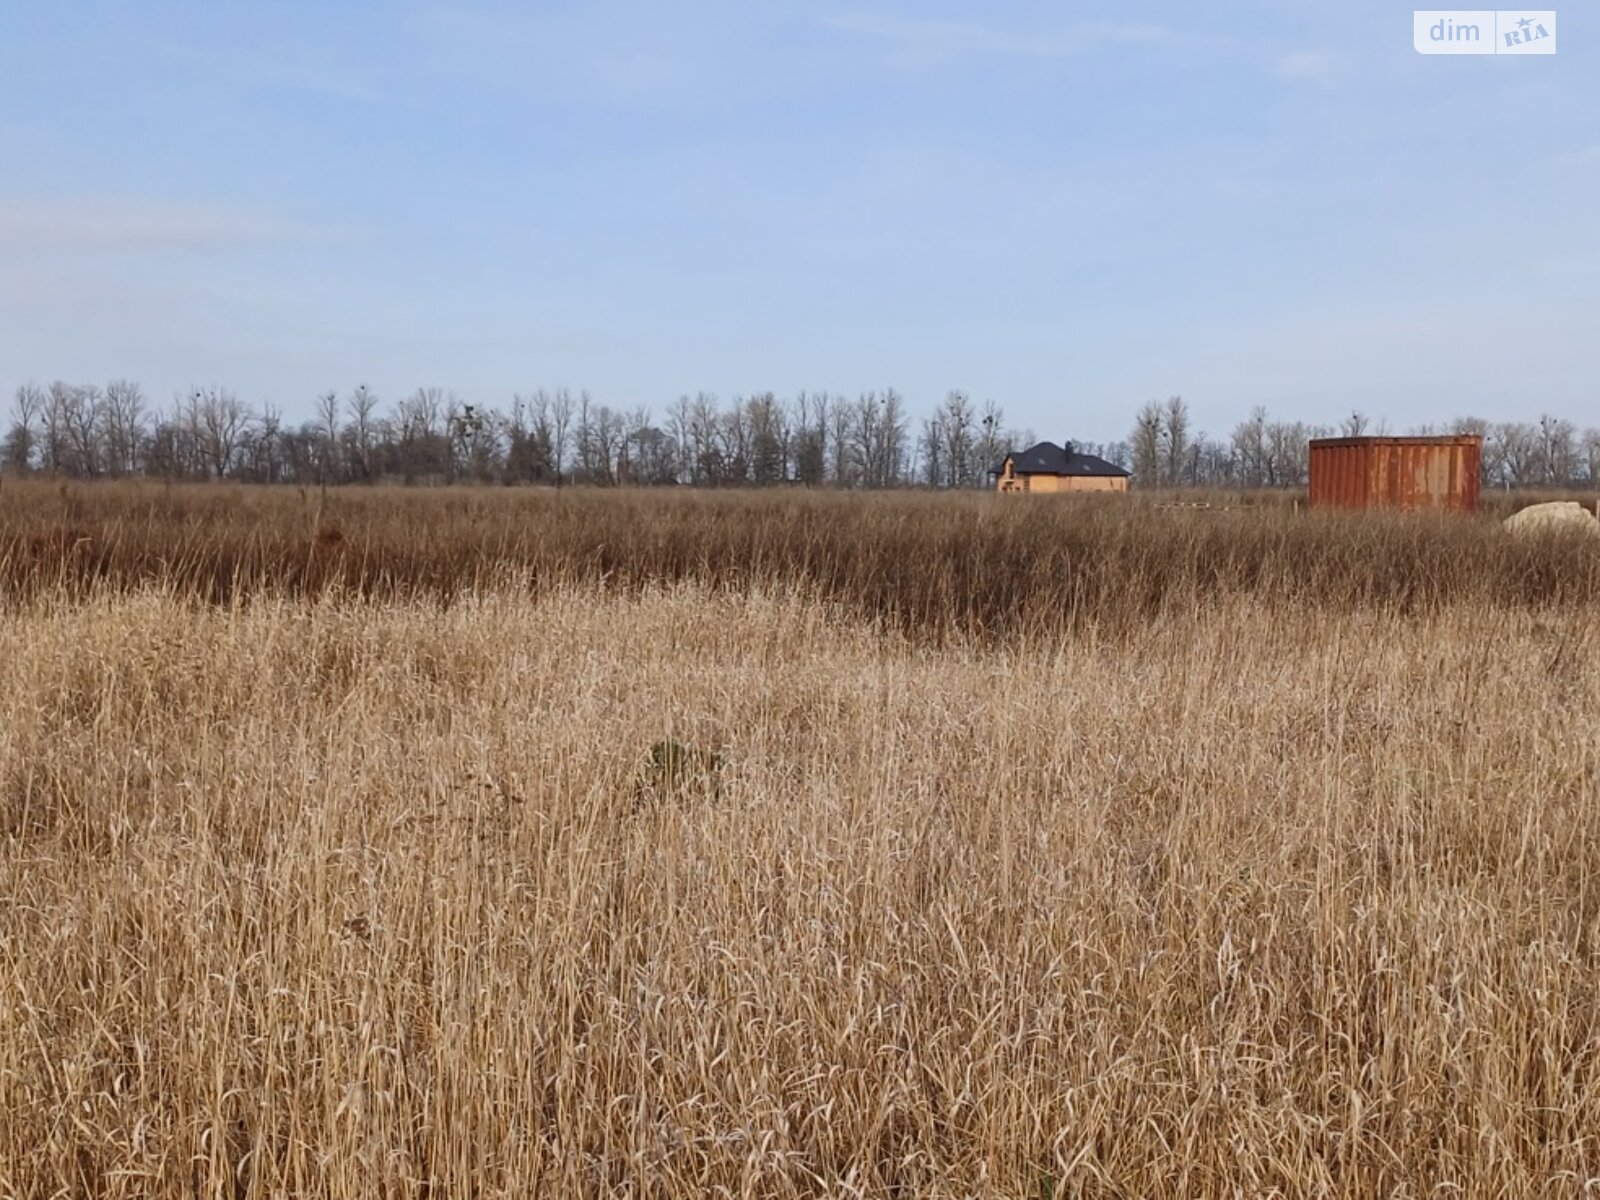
x=1069 y=209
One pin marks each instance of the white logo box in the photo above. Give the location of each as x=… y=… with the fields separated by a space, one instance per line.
x=1483 y=31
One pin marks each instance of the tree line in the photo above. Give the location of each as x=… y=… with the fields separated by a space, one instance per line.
x=560 y=436
x=547 y=436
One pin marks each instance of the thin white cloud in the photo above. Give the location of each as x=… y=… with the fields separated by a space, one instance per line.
x=928 y=41
x=1312 y=66
x=117 y=224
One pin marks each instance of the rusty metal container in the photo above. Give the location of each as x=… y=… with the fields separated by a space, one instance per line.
x=1396 y=472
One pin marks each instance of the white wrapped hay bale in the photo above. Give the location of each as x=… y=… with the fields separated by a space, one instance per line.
x=1558 y=516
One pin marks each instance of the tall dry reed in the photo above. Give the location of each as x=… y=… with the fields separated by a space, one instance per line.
x=933 y=564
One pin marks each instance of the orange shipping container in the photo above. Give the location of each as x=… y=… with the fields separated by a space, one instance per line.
x=1396 y=472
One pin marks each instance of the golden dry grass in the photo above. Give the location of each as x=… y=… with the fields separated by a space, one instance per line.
x=375 y=896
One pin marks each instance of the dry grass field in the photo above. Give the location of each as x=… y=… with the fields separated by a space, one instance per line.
x=497 y=844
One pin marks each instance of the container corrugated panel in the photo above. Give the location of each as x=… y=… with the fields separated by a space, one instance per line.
x=1396 y=472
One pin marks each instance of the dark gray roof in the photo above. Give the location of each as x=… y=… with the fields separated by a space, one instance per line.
x=1047 y=458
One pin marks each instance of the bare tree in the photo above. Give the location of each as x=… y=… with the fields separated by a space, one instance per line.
x=929 y=465
x=528 y=441
x=895 y=431
x=811 y=456
x=1175 y=440
x=1514 y=448
x=1591 y=457
x=262 y=441
x=84 y=426
x=769 y=438
x=221 y=422
x=733 y=430
x=1145 y=442
x=124 y=426
x=865 y=427
x=1249 y=446
x=421 y=448
x=845 y=471
x=57 y=418
x=955 y=423
x=1287 y=453
x=363 y=406
x=879 y=428
x=704 y=425
x=27 y=404
x=992 y=422
x=478 y=436
x=810 y=441
x=328 y=422
x=636 y=434
x=560 y=422
x=1558 y=451
x=610 y=441
x=679 y=424
x=584 y=434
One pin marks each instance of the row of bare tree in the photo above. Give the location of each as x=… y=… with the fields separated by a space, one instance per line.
x=544 y=436
x=561 y=436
